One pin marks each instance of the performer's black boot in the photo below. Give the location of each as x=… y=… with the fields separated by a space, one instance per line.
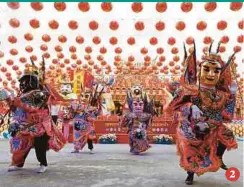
x=189 y=178
x=220 y=152
x=90 y=145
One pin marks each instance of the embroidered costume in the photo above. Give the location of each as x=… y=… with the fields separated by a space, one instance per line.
x=202 y=136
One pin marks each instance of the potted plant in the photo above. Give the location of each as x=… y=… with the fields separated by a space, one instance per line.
x=163 y=139
x=108 y=139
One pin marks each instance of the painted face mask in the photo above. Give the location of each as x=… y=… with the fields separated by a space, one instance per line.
x=210 y=73
x=28 y=83
x=138 y=106
x=66 y=89
x=85 y=96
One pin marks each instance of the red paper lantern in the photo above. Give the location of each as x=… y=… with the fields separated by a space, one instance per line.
x=62 y=65
x=55 y=61
x=93 y=25
x=118 y=50
x=100 y=58
x=137 y=7
x=160 y=25
x=78 y=62
x=29 y=49
x=62 y=38
x=240 y=24
x=159 y=64
x=51 y=67
x=60 y=55
x=186 y=7
x=53 y=24
x=15 y=67
x=162 y=58
x=207 y=40
x=222 y=49
x=10 y=62
x=3 y=69
x=117 y=58
x=235 y=6
x=46 y=55
x=9 y=78
x=84 y=6
x=160 y=50
x=28 y=36
x=116 y=63
x=61 y=6
x=14 y=23
x=131 y=58
x=240 y=39
x=73 y=25
x=73 y=66
x=190 y=40
x=106 y=6
x=103 y=50
x=177 y=67
x=237 y=49
x=224 y=39
x=180 y=25
x=221 y=25
x=103 y=63
x=91 y=62
x=37 y=6
x=202 y=25
x=210 y=7
x=161 y=7
x=147 y=58
x=58 y=48
x=87 y=57
x=1 y=54
x=114 y=25
x=176 y=58
x=12 y=39
x=139 y=26
x=43 y=47
x=147 y=63
x=88 y=49
x=72 y=49
x=113 y=40
x=144 y=50
x=79 y=39
x=131 y=41
x=66 y=61
x=34 y=23
x=153 y=41
x=46 y=38
x=73 y=56
x=96 y=40
x=13 y=5
x=171 y=41
x=171 y=63
x=174 y=50
x=22 y=60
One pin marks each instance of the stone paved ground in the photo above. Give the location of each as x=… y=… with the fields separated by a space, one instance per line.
x=112 y=166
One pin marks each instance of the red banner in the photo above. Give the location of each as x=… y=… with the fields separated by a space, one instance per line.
x=110 y=125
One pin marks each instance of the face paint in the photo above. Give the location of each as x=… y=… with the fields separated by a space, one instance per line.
x=85 y=96
x=210 y=73
x=66 y=89
x=138 y=106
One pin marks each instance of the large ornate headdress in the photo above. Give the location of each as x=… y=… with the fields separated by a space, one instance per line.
x=148 y=105
x=190 y=76
x=34 y=73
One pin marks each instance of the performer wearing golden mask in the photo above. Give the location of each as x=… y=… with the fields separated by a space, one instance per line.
x=204 y=105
